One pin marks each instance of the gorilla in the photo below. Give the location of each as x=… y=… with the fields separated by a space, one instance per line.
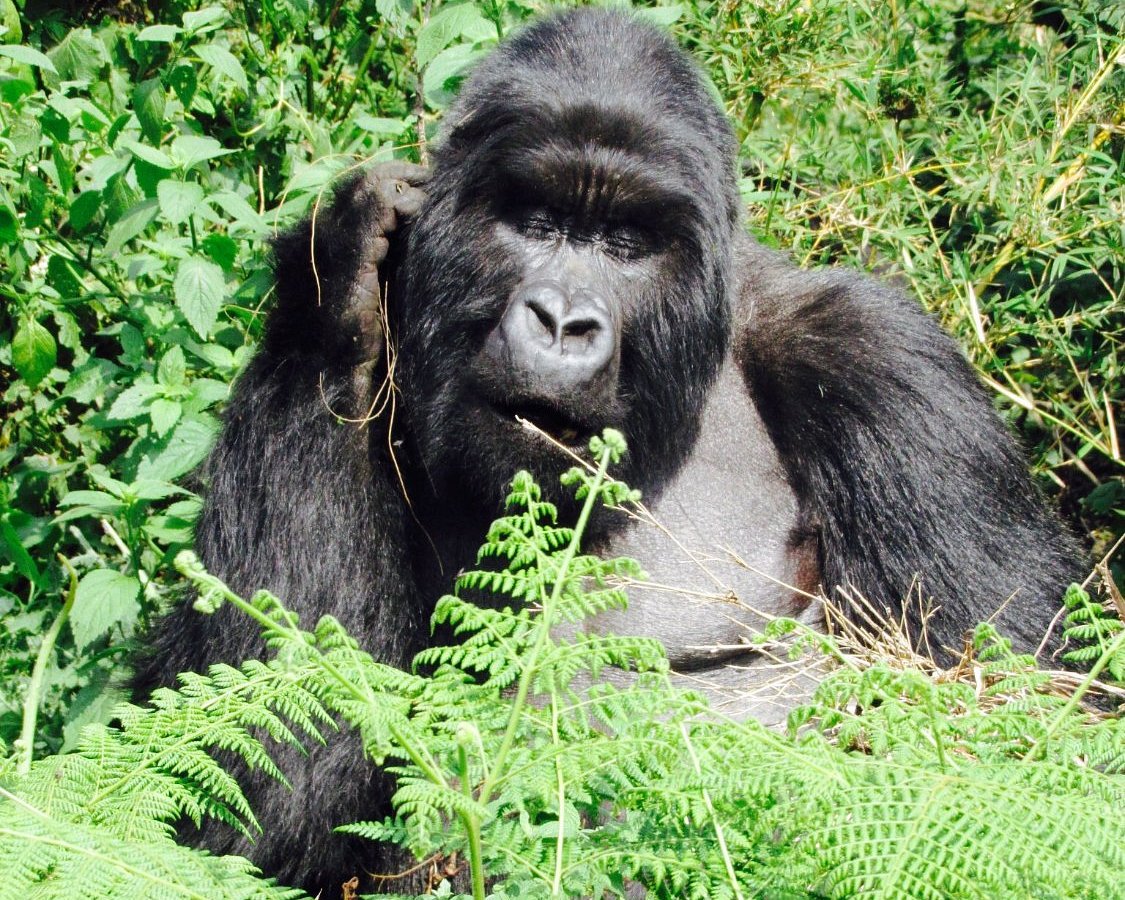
x=575 y=258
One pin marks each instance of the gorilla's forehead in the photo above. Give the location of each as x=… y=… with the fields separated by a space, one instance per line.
x=598 y=72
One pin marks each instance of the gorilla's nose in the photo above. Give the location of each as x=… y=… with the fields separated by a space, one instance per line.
x=560 y=337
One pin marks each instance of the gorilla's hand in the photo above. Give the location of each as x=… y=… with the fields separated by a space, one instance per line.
x=392 y=192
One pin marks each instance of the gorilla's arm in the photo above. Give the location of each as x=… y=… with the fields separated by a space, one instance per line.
x=895 y=452
x=296 y=499
x=302 y=503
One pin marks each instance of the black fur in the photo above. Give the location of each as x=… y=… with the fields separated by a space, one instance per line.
x=899 y=464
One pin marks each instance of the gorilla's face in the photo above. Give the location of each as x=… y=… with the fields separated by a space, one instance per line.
x=570 y=269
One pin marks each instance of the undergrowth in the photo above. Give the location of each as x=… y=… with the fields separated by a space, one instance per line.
x=511 y=754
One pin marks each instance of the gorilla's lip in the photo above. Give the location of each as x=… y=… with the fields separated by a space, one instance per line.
x=550 y=419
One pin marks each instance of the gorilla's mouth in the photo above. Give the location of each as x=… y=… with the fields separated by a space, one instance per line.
x=551 y=420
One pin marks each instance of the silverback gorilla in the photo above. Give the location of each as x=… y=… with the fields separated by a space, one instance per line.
x=575 y=257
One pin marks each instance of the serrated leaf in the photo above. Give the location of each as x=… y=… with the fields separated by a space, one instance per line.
x=29 y=56
x=198 y=289
x=178 y=199
x=79 y=56
x=132 y=402
x=172 y=369
x=224 y=62
x=33 y=352
x=181 y=451
x=136 y=220
x=221 y=249
x=104 y=598
x=149 y=102
x=165 y=413
x=161 y=34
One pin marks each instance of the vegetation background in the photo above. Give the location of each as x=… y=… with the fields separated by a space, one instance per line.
x=148 y=152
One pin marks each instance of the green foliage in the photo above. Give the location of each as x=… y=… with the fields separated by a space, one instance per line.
x=890 y=783
x=974 y=150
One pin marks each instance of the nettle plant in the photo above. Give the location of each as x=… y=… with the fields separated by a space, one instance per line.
x=511 y=754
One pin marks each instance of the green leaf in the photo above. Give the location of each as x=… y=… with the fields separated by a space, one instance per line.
x=33 y=352
x=181 y=451
x=190 y=149
x=9 y=227
x=133 y=401
x=62 y=277
x=198 y=289
x=178 y=199
x=161 y=34
x=79 y=56
x=221 y=249
x=444 y=75
x=172 y=371
x=224 y=62
x=84 y=208
x=149 y=102
x=17 y=553
x=242 y=212
x=446 y=26
x=165 y=413
x=150 y=155
x=136 y=220
x=29 y=56
x=204 y=20
x=105 y=598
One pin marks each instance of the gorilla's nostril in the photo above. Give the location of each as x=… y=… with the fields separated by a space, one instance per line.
x=581 y=327
x=542 y=319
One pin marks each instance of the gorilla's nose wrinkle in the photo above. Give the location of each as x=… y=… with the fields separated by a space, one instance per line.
x=558 y=338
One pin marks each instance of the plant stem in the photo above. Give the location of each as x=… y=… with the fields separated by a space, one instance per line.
x=520 y=699
x=26 y=742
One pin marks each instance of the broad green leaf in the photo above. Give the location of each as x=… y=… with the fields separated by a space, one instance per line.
x=130 y=225
x=62 y=277
x=446 y=26
x=221 y=249
x=149 y=101
x=664 y=16
x=204 y=20
x=133 y=401
x=178 y=199
x=105 y=598
x=33 y=352
x=224 y=62
x=84 y=208
x=443 y=76
x=150 y=155
x=241 y=211
x=79 y=56
x=189 y=149
x=198 y=289
x=29 y=56
x=181 y=451
x=172 y=371
x=165 y=413
x=150 y=489
x=161 y=34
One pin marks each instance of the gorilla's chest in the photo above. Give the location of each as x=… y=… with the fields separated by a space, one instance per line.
x=721 y=548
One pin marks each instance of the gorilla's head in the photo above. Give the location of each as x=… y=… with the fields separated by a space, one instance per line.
x=572 y=263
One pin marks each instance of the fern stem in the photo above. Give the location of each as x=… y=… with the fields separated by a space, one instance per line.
x=26 y=742
x=556 y=884
x=528 y=673
x=472 y=826
x=1072 y=703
